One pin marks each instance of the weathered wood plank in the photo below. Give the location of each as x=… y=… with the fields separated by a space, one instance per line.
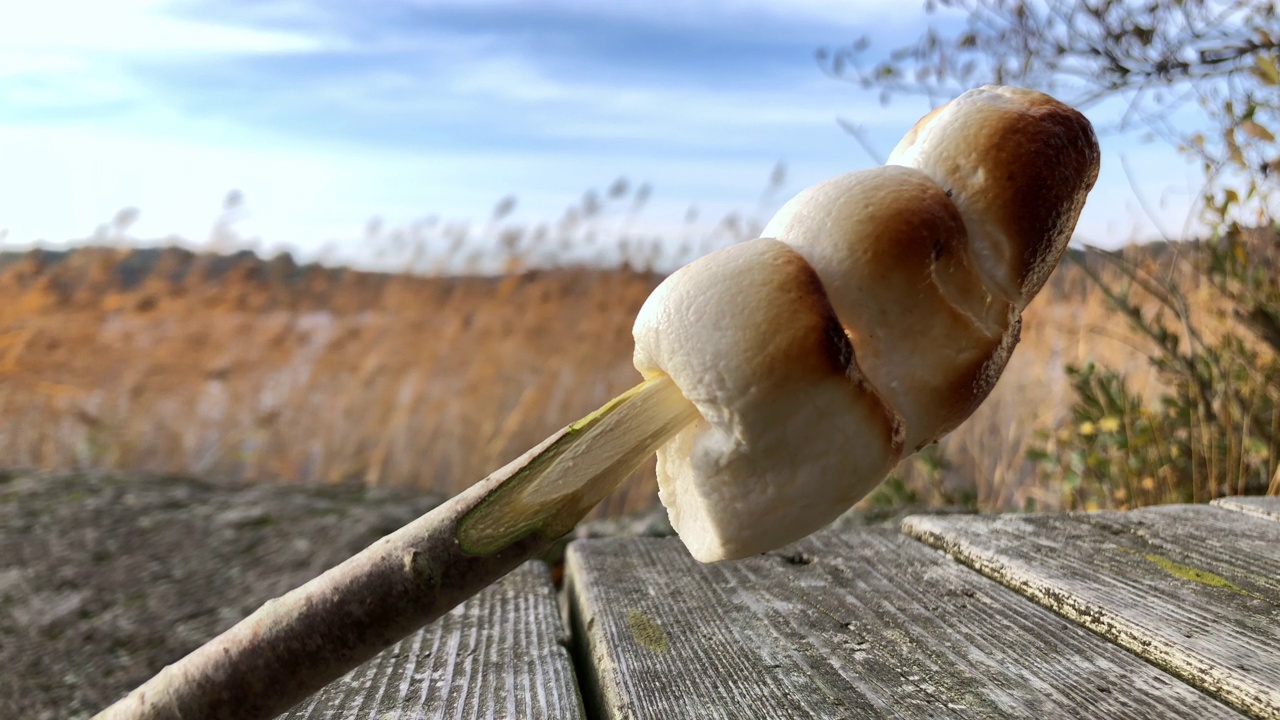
x=864 y=623
x=1263 y=507
x=1192 y=588
x=501 y=654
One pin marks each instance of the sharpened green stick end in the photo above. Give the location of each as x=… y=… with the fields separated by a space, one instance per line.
x=553 y=490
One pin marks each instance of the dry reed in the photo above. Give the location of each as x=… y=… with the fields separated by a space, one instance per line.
x=265 y=371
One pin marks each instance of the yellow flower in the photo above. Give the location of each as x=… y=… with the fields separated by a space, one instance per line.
x=1086 y=428
x=1109 y=423
x=1148 y=483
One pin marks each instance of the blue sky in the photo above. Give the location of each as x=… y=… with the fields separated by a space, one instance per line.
x=326 y=113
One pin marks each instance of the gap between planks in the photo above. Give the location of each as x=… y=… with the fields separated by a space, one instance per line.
x=1193 y=589
x=867 y=623
x=501 y=655
x=1266 y=507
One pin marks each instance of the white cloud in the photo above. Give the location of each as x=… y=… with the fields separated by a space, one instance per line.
x=841 y=15
x=509 y=78
x=590 y=107
x=125 y=26
x=70 y=54
x=301 y=198
x=697 y=143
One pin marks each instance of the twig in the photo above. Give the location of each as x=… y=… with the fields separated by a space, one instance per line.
x=296 y=644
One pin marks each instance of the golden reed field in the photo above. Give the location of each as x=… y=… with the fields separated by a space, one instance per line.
x=233 y=368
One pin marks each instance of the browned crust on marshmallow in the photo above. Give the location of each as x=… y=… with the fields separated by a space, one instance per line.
x=1050 y=157
x=774 y=305
x=791 y=435
x=832 y=352
x=830 y=349
x=895 y=253
x=899 y=315
x=914 y=133
x=1021 y=161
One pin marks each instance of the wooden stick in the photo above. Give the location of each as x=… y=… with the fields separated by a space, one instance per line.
x=296 y=644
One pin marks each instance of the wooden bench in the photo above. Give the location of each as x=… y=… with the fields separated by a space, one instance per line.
x=1164 y=612
x=501 y=654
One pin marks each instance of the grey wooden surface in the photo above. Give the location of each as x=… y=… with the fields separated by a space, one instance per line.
x=867 y=623
x=1263 y=507
x=502 y=654
x=1193 y=589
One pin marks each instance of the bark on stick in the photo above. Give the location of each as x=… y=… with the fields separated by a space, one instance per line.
x=296 y=644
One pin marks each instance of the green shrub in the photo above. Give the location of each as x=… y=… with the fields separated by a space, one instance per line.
x=1214 y=429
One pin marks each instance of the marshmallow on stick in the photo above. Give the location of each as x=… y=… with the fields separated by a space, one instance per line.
x=874 y=316
x=784 y=377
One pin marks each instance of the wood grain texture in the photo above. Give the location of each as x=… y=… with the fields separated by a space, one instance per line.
x=1194 y=589
x=1267 y=507
x=865 y=623
x=501 y=655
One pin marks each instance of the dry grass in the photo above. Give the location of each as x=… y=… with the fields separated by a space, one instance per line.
x=306 y=376
x=1073 y=323
x=270 y=372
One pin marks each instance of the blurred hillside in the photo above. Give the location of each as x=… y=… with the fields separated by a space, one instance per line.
x=240 y=368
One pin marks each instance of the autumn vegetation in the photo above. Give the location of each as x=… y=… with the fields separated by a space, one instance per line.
x=1144 y=376
x=242 y=369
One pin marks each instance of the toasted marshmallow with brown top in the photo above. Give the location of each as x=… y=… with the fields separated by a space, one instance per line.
x=893 y=255
x=1018 y=164
x=875 y=316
